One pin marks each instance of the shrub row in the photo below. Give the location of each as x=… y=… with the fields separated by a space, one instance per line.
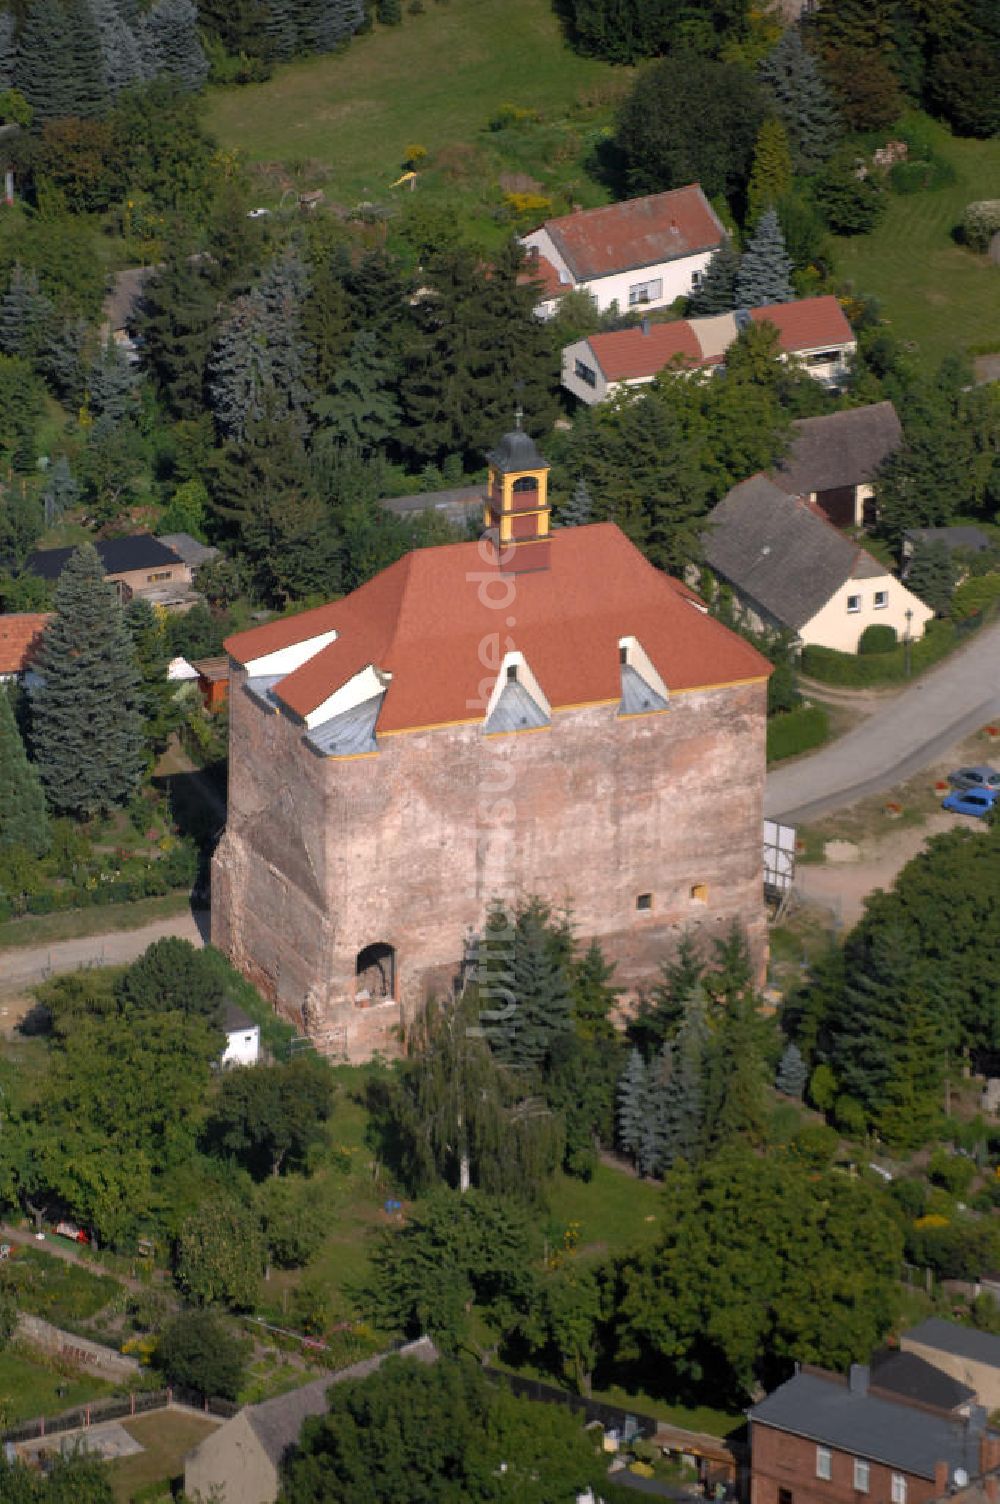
x=796 y=731
x=855 y=672
x=176 y=870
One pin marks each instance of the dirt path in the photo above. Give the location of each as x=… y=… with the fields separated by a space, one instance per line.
x=68 y=1255
x=25 y=967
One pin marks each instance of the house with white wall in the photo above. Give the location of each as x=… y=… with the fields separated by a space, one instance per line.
x=813 y=331
x=791 y=570
x=642 y=253
x=242 y=1037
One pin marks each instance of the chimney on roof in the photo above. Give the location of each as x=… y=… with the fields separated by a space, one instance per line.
x=857 y=1379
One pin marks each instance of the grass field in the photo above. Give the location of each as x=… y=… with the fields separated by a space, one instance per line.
x=436 y=80
x=167 y=1436
x=932 y=290
x=28 y=1389
x=39 y=929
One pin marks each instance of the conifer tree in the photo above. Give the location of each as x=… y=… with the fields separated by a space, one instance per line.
x=717 y=293
x=764 y=275
x=931 y=575
x=792 y=1072
x=176 y=319
x=62 y=360
x=86 y=708
x=579 y=510
x=23 y=818
x=239 y=369
x=594 y=994
x=8 y=50
x=684 y=1103
x=121 y=55
x=59 y=64
x=631 y=1112
x=112 y=385
x=771 y=174
x=280 y=34
x=173 y=27
x=25 y=316
x=360 y=407
x=389 y=12
x=801 y=101
x=654 y=1137
x=60 y=491
x=543 y=1003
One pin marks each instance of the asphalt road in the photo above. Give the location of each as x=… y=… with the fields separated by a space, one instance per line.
x=909 y=732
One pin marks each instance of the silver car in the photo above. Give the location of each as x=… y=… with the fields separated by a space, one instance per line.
x=981 y=777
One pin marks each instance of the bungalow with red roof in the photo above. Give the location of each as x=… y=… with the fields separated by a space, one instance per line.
x=536 y=713
x=20 y=635
x=642 y=253
x=813 y=331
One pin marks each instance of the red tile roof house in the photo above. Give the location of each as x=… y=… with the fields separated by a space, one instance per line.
x=813 y=330
x=552 y=716
x=20 y=635
x=822 y=1438
x=642 y=253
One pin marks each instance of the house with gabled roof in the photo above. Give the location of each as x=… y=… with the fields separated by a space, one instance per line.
x=642 y=253
x=813 y=331
x=240 y=1463
x=136 y=565
x=826 y=1438
x=966 y=1355
x=834 y=459
x=791 y=570
x=536 y=713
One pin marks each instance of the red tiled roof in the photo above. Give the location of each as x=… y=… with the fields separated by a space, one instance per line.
x=806 y=325
x=628 y=354
x=539 y=271
x=19 y=635
x=424 y=621
x=639 y=232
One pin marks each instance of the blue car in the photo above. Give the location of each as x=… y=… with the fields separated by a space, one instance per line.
x=978 y=802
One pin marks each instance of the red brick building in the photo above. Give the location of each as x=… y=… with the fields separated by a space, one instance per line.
x=531 y=714
x=825 y=1439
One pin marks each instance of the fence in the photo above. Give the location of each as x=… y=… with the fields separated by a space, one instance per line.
x=121 y=1407
x=611 y=1417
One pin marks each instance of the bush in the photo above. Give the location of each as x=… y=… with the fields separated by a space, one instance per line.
x=796 y=731
x=955 y=1172
x=980 y=223
x=918 y=177
x=877 y=638
x=975 y=595
x=831 y=667
x=202 y=1352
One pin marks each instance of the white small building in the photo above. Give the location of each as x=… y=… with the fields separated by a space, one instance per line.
x=242 y=1037
x=642 y=253
x=791 y=570
x=813 y=331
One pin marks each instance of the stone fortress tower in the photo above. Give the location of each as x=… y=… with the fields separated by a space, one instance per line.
x=536 y=713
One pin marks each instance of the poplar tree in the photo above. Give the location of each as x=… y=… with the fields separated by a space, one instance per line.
x=771 y=174
x=86 y=707
x=23 y=818
x=765 y=271
x=801 y=101
x=717 y=292
x=173 y=28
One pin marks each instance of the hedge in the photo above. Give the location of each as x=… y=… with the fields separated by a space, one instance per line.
x=975 y=594
x=797 y=731
x=831 y=667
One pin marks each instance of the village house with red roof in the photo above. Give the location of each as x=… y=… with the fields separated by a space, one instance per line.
x=20 y=636
x=642 y=253
x=537 y=713
x=814 y=331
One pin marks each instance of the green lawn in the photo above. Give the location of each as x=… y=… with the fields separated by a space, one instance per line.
x=435 y=80
x=615 y=1210
x=933 y=291
x=28 y=1389
x=73 y=924
x=166 y=1436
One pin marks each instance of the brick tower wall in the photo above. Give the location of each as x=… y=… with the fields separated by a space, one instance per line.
x=408 y=847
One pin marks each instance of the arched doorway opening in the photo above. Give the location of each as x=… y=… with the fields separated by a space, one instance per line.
x=375 y=973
